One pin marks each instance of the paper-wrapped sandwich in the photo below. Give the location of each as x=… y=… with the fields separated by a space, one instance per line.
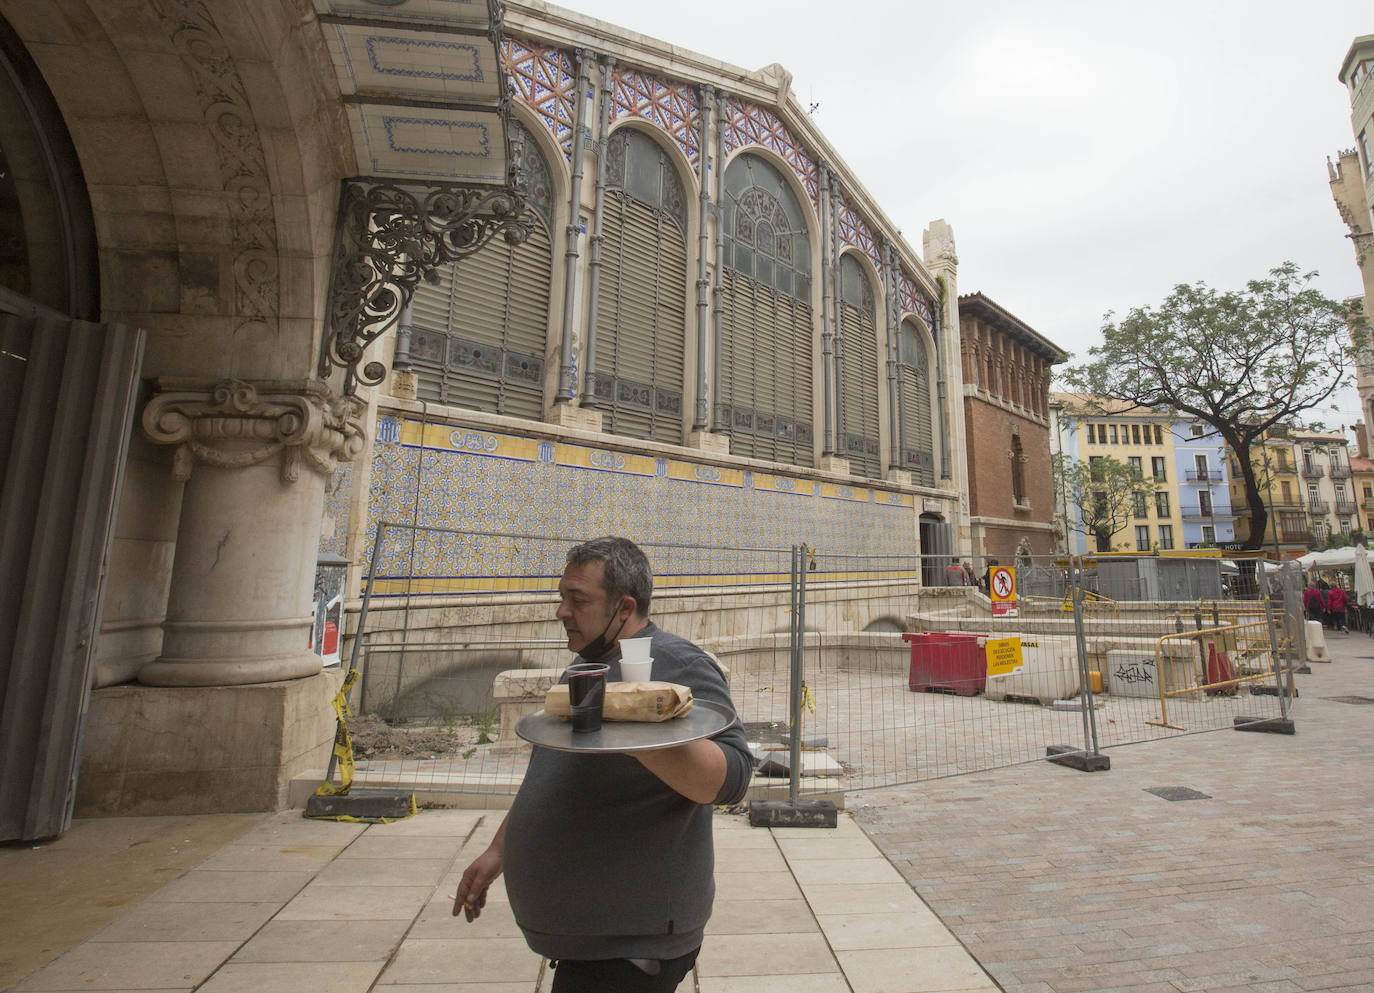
x=650 y=702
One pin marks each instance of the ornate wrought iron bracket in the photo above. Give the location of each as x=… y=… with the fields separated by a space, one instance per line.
x=388 y=238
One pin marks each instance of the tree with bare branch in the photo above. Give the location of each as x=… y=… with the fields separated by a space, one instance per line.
x=1242 y=361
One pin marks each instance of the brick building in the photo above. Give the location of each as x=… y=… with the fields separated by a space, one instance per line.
x=1006 y=373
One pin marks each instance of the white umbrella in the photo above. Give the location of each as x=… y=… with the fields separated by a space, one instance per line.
x=1364 y=579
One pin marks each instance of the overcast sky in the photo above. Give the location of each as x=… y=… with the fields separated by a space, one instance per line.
x=1089 y=155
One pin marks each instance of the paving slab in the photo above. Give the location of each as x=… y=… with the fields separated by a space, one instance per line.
x=155 y=920
x=130 y=965
x=471 y=960
x=292 y=977
x=323 y=941
x=228 y=886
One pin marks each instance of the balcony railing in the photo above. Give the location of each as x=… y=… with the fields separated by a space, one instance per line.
x=1310 y=470
x=1213 y=513
x=1340 y=471
x=1367 y=503
x=1318 y=507
x=1346 y=507
x=1202 y=476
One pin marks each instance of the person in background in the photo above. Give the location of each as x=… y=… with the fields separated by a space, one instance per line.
x=1335 y=608
x=986 y=582
x=1314 y=604
x=955 y=575
x=609 y=857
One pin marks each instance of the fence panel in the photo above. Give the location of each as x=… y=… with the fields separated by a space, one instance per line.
x=903 y=708
x=458 y=639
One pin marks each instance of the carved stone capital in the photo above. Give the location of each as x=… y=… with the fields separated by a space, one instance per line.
x=232 y=424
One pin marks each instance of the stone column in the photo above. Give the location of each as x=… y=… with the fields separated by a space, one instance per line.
x=255 y=457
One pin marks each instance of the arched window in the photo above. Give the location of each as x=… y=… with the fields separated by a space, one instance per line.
x=918 y=444
x=641 y=318
x=858 y=371
x=478 y=330
x=764 y=393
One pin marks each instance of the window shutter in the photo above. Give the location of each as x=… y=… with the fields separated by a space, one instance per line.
x=642 y=320
x=860 y=377
x=766 y=350
x=918 y=437
x=765 y=372
x=478 y=332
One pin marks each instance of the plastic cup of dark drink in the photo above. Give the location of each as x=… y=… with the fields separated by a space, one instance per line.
x=586 y=693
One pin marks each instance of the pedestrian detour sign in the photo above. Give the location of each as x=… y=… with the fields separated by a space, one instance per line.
x=1002 y=591
x=1004 y=656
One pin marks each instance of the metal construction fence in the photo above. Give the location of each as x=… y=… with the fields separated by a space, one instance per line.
x=846 y=671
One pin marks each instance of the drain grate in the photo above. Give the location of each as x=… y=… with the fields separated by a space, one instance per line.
x=1349 y=699
x=1177 y=793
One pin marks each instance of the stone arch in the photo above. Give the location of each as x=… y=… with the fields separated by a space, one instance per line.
x=47 y=229
x=215 y=196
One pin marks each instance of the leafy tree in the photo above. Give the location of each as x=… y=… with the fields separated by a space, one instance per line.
x=1242 y=361
x=1104 y=491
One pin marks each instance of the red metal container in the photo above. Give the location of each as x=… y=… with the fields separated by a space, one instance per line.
x=947 y=661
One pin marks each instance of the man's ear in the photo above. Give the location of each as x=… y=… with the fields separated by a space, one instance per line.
x=628 y=602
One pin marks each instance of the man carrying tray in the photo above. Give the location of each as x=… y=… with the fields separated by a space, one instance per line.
x=608 y=857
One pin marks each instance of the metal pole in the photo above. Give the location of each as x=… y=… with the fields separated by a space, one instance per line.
x=701 y=415
x=794 y=680
x=827 y=325
x=597 y=236
x=362 y=623
x=1081 y=644
x=720 y=420
x=1279 y=687
x=567 y=378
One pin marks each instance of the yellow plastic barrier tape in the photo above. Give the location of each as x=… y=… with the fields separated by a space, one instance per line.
x=343 y=743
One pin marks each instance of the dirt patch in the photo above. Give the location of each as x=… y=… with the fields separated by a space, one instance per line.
x=375 y=738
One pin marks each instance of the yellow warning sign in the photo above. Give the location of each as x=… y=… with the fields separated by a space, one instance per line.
x=1004 y=656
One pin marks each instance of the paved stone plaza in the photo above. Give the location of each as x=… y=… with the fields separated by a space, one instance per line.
x=1059 y=881
x=293 y=904
x=1041 y=880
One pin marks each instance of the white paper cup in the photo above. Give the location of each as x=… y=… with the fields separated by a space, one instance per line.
x=636 y=671
x=635 y=649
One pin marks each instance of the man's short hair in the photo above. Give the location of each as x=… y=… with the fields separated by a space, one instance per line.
x=626 y=569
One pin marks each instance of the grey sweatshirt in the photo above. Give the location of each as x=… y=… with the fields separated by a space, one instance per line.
x=602 y=859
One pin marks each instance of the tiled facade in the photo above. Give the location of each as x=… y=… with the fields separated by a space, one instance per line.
x=486 y=482
x=696 y=494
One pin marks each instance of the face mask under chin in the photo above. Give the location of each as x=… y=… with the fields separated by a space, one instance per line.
x=593 y=650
